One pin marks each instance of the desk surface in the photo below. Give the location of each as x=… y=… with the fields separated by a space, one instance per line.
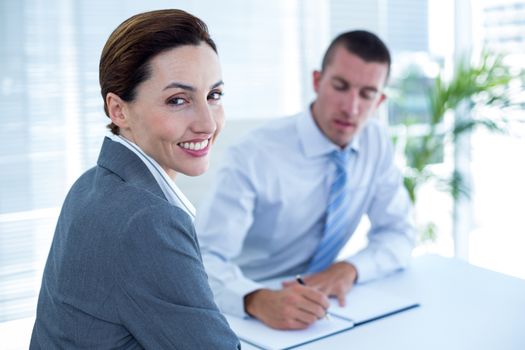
x=462 y=307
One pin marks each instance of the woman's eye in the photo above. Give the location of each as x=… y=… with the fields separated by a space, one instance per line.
x=176 y=101
x=215 y=95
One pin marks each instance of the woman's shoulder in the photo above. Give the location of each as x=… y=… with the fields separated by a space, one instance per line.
x=111 y=199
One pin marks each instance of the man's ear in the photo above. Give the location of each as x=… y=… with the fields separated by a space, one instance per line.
x=381 y=99
x=316 y=79
x=116 y=110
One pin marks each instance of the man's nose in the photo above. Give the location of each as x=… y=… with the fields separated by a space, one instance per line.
x=351 y=102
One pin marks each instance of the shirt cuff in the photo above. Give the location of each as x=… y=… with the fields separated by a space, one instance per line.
x=231 y=299
x=365 y=266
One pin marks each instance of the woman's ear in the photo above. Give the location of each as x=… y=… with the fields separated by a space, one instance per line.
x=116 y=110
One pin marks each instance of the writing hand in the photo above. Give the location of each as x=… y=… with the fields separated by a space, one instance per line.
x=294 y=307
x=335 y=281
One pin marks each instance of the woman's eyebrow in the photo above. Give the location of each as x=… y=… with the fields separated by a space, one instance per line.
x=217 y=84
x=183 y=86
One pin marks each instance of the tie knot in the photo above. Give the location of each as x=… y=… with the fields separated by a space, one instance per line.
x=340 y=159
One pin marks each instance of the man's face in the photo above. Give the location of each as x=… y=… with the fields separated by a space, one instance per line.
x=349 y=90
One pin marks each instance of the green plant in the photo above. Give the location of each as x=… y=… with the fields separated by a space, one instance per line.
x=472 y=87
x=486 y=84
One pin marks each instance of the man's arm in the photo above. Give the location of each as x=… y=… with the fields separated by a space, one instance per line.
x=392 y=234
x=222 y=224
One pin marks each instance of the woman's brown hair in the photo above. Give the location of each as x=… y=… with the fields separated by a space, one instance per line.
x=125 y=59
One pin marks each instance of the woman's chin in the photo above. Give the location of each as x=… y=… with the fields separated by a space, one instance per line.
x=196 y=171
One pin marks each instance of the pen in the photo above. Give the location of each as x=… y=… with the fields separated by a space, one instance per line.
x=300 y=280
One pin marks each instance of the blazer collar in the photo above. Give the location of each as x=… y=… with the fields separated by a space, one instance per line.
x=128 y=166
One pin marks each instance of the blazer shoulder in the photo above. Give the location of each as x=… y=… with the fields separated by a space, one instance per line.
x=163 y=220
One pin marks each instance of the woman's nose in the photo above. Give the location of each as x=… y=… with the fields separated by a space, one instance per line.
x=205 y=121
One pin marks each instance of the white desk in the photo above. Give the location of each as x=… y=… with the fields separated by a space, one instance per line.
x=463 y=307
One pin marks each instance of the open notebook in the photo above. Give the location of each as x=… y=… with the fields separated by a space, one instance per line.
x=254 y=332
x=366 y=304
x=363 y=304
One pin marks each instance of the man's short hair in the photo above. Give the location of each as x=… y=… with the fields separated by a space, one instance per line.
x=361 y=43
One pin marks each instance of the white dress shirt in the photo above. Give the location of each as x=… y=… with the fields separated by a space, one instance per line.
x=265 y=214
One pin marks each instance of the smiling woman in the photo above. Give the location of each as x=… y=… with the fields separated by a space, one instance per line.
x=177 y=113
x=124 y=269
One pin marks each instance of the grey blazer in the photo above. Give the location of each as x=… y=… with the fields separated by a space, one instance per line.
x=124 y=270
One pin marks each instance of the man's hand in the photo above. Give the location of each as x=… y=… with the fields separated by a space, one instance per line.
x=294 y=307
x=335 y=281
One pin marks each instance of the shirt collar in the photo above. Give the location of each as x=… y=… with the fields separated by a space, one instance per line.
x=312 y=139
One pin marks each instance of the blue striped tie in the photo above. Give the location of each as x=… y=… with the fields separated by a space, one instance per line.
x=335 y=230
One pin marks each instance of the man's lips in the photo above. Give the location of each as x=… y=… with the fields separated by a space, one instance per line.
x=344 y=124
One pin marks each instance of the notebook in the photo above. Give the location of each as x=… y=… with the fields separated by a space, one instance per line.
x=254 y=332
x=364 y=304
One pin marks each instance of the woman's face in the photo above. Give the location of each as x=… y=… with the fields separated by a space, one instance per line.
x=177 y=113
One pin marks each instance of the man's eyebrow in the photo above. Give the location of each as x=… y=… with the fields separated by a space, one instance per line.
x=183 y=86
x=342 y=80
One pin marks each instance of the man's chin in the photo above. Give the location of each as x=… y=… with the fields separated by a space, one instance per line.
x=343 y=140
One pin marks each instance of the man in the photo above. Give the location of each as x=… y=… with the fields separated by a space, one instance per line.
x=291 y=194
